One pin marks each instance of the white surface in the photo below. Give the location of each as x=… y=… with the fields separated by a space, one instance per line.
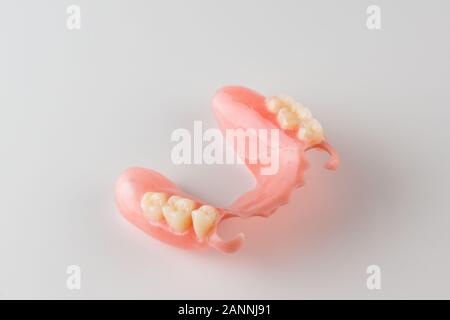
x=78 y=107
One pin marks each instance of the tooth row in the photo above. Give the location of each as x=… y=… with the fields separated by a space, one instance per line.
x=294 y=116
x=179 y=213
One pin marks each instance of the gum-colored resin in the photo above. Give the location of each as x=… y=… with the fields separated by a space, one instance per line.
x=157 y=206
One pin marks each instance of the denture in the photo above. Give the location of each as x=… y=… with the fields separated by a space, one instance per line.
x=238 y=107
x=157 y=206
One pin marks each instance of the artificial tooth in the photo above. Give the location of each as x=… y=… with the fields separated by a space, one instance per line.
x=311 y=131
x=178 y=220
x=292 y=115
x=177 y=213
x=151 y=204
x=287 y=119
x=203 y=220
x=287 y=100
x=304 y=114
x=274 y=104
x=181 y=203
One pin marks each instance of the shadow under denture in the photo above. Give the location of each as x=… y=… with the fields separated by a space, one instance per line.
x=293 y=233
x=227 y=246
x=266 y=232
x=331 y=219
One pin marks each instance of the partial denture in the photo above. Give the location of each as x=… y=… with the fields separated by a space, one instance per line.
x=157 y=206
x=237 y=107
x=292 y=115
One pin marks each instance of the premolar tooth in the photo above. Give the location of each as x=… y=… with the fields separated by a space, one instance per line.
x=178 y=220
x=311 y=131
x=151 y=204
x=287 y=119
x=203 y=220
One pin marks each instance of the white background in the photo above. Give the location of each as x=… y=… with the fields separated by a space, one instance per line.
x=79 y=107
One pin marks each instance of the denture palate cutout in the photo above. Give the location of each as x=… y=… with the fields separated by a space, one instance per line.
x=157 y=206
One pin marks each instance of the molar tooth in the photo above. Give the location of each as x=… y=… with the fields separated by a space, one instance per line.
x=181 y=204
x=178 y=220
x=151 y=204
x=287 y=119
x=311 y=131
x=177 y=213
x=203 y=220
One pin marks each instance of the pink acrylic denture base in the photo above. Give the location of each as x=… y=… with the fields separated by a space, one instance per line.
x=234 y=108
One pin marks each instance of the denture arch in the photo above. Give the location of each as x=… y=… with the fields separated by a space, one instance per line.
x=164 y=211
